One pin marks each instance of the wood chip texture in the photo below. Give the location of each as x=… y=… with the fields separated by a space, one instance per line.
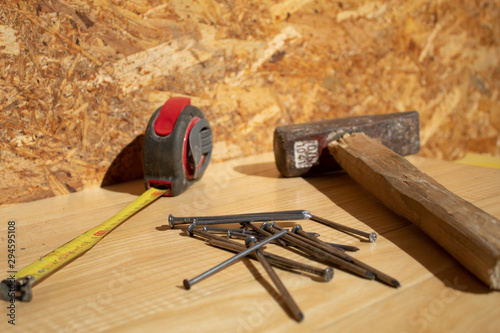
x=80 y=79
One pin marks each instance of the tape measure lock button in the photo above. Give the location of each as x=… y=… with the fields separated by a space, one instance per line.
x=167 y=117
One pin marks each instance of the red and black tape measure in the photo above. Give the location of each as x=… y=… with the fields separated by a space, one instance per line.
x=177 y=146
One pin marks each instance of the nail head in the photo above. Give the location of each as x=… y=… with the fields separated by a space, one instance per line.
x=250 y=240
x=186 y=284
x=190 y=229
x=328 y=276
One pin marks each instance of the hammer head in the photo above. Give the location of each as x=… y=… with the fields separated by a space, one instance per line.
x=303 y=148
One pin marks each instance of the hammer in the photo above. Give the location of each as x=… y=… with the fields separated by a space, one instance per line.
x=369 y=149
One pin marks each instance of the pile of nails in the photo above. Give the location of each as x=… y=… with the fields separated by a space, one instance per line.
x=307 y=243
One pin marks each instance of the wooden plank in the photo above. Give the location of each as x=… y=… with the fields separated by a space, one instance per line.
x=132 y=280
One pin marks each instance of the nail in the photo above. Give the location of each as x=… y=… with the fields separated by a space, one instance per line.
x=277 y=226
x=372 y=237
x=189 y=283
x=298 y=230
x=344 y=247
x=288 y=264
x=272 y=224
x=230 y=216
x=226 y=230
x=378 y=274
x=244 y=235
x=290 y=303
x=192 y=230
x=325 y=246
x=256 y=218
x=314 y=241
x=320 y=254
x=262 y=232
x=278 y=261
x=238 y=218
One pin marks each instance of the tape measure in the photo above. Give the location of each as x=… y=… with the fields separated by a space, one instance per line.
x=176 y=152
x=177 y=146
x=20 y=283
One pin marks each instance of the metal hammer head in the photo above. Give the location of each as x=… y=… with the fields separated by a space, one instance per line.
x=303 y=148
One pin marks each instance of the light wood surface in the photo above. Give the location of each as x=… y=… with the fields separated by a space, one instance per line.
x=132 y=280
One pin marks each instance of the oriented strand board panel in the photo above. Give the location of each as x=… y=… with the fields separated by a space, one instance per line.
x=80 y=79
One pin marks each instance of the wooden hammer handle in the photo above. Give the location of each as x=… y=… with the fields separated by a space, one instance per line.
x=468 y=233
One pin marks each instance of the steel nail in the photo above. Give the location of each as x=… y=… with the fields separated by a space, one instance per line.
x=256 y=218
x=262 y=232
x=188 y=283
x=277 y=226
x=279 y=261
x=237 y=234
x=372 y=237
x=389 y=280
x=290 y=303
x=297 y=230
x=325 y=246
x=339 y=258
x=279 y=215
x=192 y=230
x=344 y=247
x=226 y=230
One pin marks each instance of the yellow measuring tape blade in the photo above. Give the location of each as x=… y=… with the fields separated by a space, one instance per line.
x=84 y=242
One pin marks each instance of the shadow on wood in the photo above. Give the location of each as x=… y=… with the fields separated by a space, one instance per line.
x=370 y=215
x=267 y=169
x=127 y=165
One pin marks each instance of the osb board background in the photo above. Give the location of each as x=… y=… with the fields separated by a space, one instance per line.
x=80 y=79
